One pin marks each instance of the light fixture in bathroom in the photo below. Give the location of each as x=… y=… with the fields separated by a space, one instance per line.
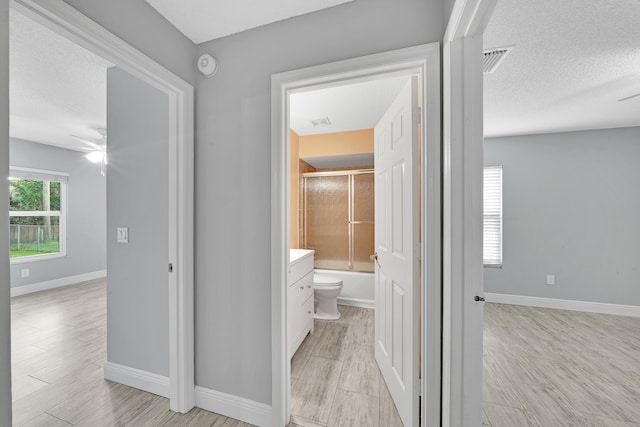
x=321 y=122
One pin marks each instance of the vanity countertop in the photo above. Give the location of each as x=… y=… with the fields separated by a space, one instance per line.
x=297 y=255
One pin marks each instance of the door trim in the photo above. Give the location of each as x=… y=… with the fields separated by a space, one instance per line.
x=68 y=22
x=425 y=61
x=463 y=159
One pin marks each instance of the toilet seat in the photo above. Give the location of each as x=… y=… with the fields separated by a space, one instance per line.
x=322 y=281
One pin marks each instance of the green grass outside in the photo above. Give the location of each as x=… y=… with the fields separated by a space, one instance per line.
x=30 y=249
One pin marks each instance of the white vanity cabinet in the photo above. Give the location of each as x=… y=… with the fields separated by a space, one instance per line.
x=299 y=298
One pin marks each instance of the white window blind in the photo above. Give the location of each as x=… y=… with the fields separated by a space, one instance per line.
x=492 y=247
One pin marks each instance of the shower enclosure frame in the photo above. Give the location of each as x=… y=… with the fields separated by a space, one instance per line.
x=351 y=173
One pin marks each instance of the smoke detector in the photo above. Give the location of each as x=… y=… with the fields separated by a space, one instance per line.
x=493 y=58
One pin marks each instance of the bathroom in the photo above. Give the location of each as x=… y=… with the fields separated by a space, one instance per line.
x=332 y=208
x=341 y=298
x=332 y=187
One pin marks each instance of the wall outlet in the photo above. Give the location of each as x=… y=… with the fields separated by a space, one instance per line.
x=24 y=272
x=551 y=279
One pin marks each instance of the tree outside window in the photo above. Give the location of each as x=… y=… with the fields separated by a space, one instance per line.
x=35 y=215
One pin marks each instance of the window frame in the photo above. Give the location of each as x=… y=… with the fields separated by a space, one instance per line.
x=499 y=262
x=51 y=176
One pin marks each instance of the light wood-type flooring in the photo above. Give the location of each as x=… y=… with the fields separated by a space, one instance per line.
x=547 y=368
x=58 y=351
x=59 y=348
x=542 y=368
x=334 y=377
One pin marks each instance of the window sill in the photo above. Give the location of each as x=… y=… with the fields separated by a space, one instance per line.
x=35 y=258
x=492 y=265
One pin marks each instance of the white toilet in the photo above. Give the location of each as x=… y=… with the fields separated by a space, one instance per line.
x=326 y=289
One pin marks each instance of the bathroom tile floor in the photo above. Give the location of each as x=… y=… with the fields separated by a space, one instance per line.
x=334 y=377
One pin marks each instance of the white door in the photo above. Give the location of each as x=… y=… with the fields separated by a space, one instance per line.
x=397 y=249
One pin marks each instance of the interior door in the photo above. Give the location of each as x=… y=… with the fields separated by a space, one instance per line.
x=397 y=251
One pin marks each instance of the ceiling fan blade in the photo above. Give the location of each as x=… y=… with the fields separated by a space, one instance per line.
x=86 y=141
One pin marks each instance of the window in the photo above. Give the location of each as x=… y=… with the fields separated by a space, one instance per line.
x=492 y=247
x=37 y=217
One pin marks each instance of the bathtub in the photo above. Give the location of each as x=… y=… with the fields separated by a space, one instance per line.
x=358 y=288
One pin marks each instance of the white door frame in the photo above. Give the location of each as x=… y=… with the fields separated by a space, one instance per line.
x=425 y=61
x=68 y=22
x=463 y=161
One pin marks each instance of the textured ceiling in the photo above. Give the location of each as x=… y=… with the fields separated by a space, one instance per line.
x=350 y=107
x=204 y=20
x=57 y=88
x=573 y=61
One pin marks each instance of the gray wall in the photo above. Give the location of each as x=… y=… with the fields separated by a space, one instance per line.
x=5 y=312
x=571 y=208
x=86 y=213
x=232 y=172
x=137 y=177
x=448 y=7
x=140 y=25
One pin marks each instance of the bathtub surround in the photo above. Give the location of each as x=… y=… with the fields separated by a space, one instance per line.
x=358 y=289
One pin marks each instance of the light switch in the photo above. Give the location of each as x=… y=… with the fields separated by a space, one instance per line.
x=123 y=234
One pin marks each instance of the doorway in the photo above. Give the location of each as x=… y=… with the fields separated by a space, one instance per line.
x=421 y=61
x=66 y=21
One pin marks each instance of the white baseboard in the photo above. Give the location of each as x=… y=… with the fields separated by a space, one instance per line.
x=57 y=283
x=364 y=303
x=563 y=304
x=235 y=407
x=136 y=378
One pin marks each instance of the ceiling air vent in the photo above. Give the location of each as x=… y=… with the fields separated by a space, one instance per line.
x=321 y=122
x=493 y=58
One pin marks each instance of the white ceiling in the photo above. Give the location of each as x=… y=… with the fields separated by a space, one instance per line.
x=57 y=88
x=572 y=62
x=350 y=107
x=204 y=20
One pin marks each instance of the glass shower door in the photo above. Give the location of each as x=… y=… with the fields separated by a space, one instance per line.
x=339 y=219
x=326 y=204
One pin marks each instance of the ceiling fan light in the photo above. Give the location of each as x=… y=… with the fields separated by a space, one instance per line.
x=94 y=156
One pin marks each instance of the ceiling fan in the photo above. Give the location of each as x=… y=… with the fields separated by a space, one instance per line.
x=97 y=149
